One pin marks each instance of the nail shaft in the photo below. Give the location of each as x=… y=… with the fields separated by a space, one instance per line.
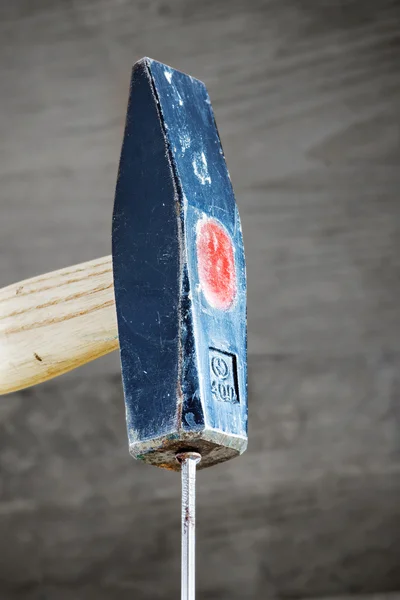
x=188 y=462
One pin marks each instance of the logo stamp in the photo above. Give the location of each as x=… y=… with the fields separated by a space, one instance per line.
x=223 y=376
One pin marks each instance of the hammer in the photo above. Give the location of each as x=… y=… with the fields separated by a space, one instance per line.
x=172 y=296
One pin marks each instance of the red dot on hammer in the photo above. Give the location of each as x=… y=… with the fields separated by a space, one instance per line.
x=216 y=264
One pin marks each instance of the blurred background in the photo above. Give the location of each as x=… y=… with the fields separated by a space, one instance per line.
x=307 y=100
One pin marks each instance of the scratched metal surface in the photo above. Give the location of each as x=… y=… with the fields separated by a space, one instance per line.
x=172 y=177
x=306 y=97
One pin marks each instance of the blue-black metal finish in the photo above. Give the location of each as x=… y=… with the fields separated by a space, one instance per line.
x=184 y=363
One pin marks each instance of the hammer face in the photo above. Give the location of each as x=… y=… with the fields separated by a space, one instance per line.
x=179 y=276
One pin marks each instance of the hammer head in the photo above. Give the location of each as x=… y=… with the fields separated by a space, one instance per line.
x=179 y=276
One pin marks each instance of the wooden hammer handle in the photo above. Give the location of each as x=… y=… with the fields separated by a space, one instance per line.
x=56 y=322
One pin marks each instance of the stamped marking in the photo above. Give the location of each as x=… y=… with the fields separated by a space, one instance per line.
x=219 y=367
x=223 y=376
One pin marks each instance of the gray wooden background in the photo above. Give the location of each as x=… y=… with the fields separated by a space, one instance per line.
x=307 y=99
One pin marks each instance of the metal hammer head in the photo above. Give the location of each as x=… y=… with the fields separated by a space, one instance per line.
x=179 y=276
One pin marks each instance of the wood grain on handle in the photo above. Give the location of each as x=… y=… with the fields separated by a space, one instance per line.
x=56 y=322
